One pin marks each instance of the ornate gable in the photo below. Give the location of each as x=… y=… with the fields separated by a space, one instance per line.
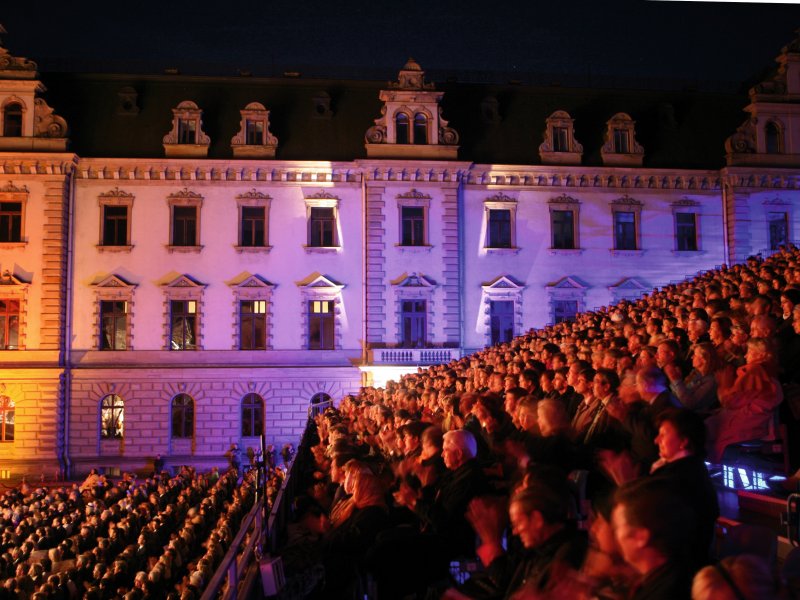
x=621 y=148
x=187 y=139
x=254 y=139
x=560 y=146
x=411 y=123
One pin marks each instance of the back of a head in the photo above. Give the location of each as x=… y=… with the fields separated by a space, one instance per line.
x=747 y=574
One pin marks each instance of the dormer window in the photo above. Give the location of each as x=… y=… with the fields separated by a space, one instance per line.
x=254 y=139
x=620 y=147
x=401 y=128
x=186 y=139
x=560 y=146
x=12 y=120
x=773 y=138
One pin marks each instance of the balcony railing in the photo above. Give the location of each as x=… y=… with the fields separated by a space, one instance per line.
x=414 y=356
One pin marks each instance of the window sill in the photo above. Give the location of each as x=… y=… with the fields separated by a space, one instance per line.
x=185 y=249
x=503 y=251
x=322 y=249
x=10 y=245
x=565 y=251
x=421 y=249
x=123 y=249
x=626 y=253
x=688 y=253
x=252 y=249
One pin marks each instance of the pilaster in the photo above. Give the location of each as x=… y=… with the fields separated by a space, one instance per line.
x=375 y=271
x=451 y=284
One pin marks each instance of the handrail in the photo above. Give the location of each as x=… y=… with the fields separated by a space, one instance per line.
x=234 y=565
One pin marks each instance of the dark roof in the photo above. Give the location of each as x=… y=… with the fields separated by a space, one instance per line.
x=678 y=129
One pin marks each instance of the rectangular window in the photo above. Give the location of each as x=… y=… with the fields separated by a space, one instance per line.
x=113 y=325
x=499 y=229
x=686 y=231
x=183 y=325
x=10 y=221
x=413 y=226
x=253 y=325
x=115 y=225
x=9 y=324
x=501 y=314
x=560 y=139
x=184 y=225
x=320 y=325
x=254 y=221
x=413 y=321
x=564 y=310
x=254 y=133
x=625 y=231
x=562 y=223
x=187 y=131
x=778 y=229
x=621 y=141
x=322 y=228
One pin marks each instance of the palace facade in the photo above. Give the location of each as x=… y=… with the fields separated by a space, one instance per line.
x=186 y=262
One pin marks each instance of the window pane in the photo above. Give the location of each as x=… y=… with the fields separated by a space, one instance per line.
x=778 y=229
x=182 y=416
x=113 y=325
x=253 y=226
x=112 y=417
x=563 y=310
x=322 y=227
x=115 y=225
x=413 y=225
x=10 y=221
x=253 y=324
x=625 y=231
x=9 y=324
x=401 y=128
x=621 y=138
x=560 y=139
x=414 y=320
x=184 y=226
x=183 y=325
x=12 y=120
x=501 y=321
x=686 y=231
x=420 y=129
x=499 y=228
x=320 y=325
x=563 y=225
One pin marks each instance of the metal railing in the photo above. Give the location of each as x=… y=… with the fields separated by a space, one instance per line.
x=414 y=356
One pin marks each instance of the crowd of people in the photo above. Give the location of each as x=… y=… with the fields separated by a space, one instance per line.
x=569 y=461
x=157 y=538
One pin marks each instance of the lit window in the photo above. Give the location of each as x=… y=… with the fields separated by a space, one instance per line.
x=322 y=227
x=9 y=324
x=12 y=120
x=252 y=415
x=182 y=416
x=625 y=231
x=10 y=221
x=420 y=129
x=320 y=325
x=7 y=419
x=254 y=226
x=778 y=229
x=499 y=229
x=686 y=231
x=401 y=128
x=183 y=325
x=413 y=319
x=113 y=325
x=184 y=225
x=112 y=417
x=253 y=324
x=413 y=225
x=562 y=223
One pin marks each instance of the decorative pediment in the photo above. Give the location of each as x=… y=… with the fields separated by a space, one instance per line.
x=776 y=201
x=500 y=197
x=413 y=194
x=502 y=283
x=116 y=193
x=316 y=282
x=113 y=281
x=254 y=194
x=567 y=283
x=323 y=195
x=411 y=77
x=183 y=281
x=249 y=281
x=685 y=203
x=14 y=67
x=563 y=199
x=185 y=196
x=626 y=201
x=9 y=279
x=254 y=139
x=629 y=284
x=413 y=280
x=10 y=188
x=743 y=141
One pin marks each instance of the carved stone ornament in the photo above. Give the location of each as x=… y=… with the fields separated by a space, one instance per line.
x=254 y=112
x=187 y=111
x=114 y=281
x=414 y=280
x=500 y=197
x=10 y=188
x=411 y=77
x=447 y=135
x=685 y=202
x=414 y=194
x=183 y=281
x=560 y=118
x=13 y=67
x=744 y=140
x=323 y=195
x=563 y=199
x=254 y=194
x=116 y=193
x=46 y=123
x=8 y=278
x=621 y=121
x=185 y=194
x=626 y=201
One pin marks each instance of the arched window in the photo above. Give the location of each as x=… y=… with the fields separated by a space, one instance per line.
x=420 y=129
x=112 y=417
x=12 y=120
x=773 y=137
x=401 y=128
x=252 y=415
x=182 y=416
x=319 y=402
x=7 y=411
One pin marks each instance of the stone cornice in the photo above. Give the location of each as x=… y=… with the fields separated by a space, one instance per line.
x=37 y=164
x=218 y=170
x=415 y=171
x=761 y=178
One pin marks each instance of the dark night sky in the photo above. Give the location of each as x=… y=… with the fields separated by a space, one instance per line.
x=500 y=39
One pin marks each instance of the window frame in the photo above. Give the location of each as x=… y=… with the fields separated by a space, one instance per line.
x=115 y=408
x=500 y=202
x=252 y=318
x=115 y=198
x=251 y=288
x=14 y=289
x=11 y=101
x=113 y=289
x=185 y=199
x=323 y=323
x=566 y=289
x=323 y=200
x=627 y=205
x=6 y=317
x=503 y=288
x=257 y=414
x=187 y=421
x=414 y=199
x=183 y=288
x=115 y=316
x=7 y=406
x=14 y=195
x=249 y=200
x=14 y=229
x=321 y=288
x=774 y=210
x=779 y=137
x=414 y=287
x=415 y=318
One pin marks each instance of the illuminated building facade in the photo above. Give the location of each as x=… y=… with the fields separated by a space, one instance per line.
x=197 y=260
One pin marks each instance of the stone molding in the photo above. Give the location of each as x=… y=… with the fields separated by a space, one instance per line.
x=252 y=287
x=254 y=112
